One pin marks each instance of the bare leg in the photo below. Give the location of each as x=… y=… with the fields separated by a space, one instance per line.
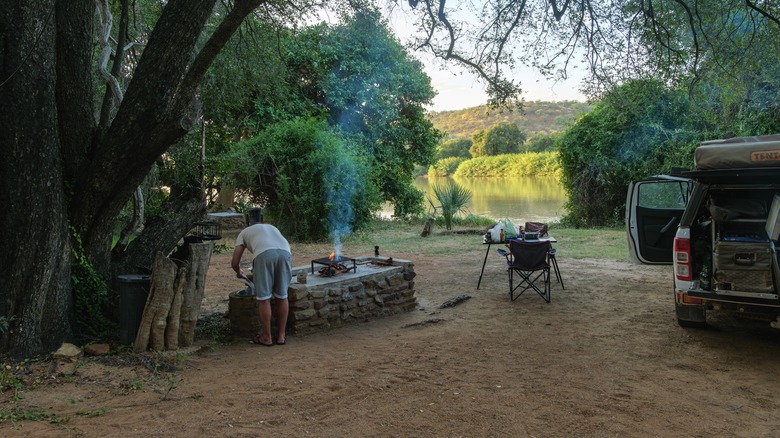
x=264 y=311
x=282 y=310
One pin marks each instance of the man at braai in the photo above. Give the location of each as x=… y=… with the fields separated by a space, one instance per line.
x=271 y=275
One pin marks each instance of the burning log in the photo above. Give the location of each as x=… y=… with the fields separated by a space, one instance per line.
x=333 y=269
x=334 y=265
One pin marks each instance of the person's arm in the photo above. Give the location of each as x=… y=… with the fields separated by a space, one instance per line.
x=235 y=262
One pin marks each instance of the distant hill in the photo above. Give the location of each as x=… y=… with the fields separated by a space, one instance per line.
x=537 y=116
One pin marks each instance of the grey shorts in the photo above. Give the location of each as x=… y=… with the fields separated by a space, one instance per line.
x=272 y=271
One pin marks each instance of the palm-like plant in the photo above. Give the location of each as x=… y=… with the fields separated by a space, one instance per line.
x=452 y=199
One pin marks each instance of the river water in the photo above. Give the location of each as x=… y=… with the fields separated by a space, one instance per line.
x=521 y=199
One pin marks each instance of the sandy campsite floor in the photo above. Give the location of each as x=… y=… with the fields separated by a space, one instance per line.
x=604 y=358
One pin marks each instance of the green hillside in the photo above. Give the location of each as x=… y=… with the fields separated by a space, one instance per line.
x=537 y=116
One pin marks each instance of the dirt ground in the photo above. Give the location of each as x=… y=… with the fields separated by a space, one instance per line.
x=604 y=358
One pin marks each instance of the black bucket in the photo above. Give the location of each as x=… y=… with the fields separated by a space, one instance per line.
x=255 y=216
x=133 y=292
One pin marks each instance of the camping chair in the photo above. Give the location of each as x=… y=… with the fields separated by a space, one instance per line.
x=541 y=228
x=528 y=260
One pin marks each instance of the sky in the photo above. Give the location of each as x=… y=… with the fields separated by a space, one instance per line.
x=462 y=90
x=458 y=89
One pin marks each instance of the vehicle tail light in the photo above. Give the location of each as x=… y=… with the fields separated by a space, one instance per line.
x=682 y=259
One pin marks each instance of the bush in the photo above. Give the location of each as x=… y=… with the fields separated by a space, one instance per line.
x=452 y=199
x=456 y=147
x=638 y=130
x=316 y=182
x=541 y=142
x=511 y=165
x=445 y=166
x=503 y=138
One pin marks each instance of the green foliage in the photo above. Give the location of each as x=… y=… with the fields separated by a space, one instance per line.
x=374 y=92
x=314 y=178
x=540 y=142
x=760 y=109
x=445 y=166
x=408 y=203
x=641 y=128
x=222 y=248
x=452 y=199
x=454 y=147
x=17 y=412
x=90 y=292
x=470 y=220
x=353 y=74
x=511 y=165
x=503 y=138
x=536 y=117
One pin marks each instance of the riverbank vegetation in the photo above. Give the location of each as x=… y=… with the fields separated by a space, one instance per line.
x=499 y=166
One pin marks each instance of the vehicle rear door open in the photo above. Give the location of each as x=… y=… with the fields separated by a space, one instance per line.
x=653 y=210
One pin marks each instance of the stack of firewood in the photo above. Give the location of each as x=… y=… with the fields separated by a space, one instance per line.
x=175 y=296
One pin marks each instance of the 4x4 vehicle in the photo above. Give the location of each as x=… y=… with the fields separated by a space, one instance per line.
x=718 y=226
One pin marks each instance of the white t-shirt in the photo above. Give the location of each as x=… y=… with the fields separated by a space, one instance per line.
x=262 y=237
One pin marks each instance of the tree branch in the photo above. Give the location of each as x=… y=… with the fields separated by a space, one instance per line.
x=121 y=47
x=106 y=21
x=762 y=11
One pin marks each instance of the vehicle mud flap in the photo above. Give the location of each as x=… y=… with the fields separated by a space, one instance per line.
x=696 y=314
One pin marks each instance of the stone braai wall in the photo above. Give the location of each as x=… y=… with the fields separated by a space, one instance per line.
x=374 y=291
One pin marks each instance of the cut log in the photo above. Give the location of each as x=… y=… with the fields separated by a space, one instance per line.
x=173 y=322
x=151 y=332
x=192 y=294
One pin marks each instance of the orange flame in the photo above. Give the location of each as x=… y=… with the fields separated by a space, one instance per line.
x=332 y=255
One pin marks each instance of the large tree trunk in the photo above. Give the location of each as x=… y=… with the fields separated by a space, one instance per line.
x=57 y=169
x=35 y=253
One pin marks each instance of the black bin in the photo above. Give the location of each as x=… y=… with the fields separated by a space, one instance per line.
x=133 y=291
x=255 y=216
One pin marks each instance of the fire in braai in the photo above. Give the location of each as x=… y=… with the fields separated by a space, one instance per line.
x=334 y=265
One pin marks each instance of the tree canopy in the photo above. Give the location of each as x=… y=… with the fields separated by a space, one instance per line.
x=641 y=128
x=353 y=75
x=503 y=138
x=679 y=41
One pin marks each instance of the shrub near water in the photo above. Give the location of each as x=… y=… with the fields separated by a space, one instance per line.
x=445 y=166
x=510 y=165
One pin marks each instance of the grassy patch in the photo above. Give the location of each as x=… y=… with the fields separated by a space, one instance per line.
x=394 y=237
x=591 y=243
